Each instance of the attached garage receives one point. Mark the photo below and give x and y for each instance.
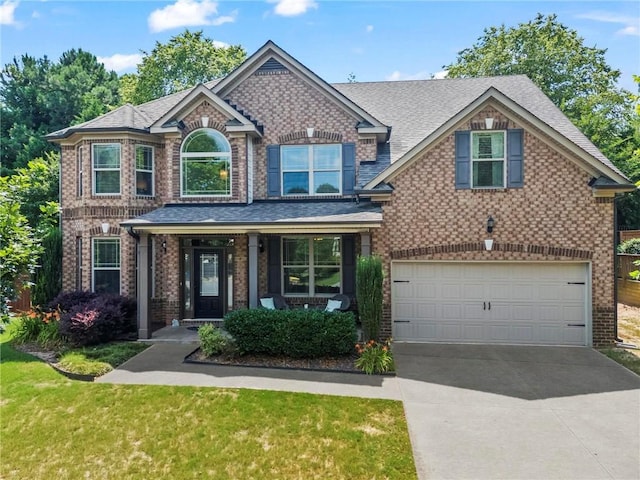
(493, 302)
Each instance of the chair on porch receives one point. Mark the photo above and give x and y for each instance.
(274, 301)
(338, 302)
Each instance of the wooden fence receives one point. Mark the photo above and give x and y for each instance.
(628, 290)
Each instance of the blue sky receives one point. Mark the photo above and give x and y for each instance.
(375, 40)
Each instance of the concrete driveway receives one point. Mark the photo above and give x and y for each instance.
(509, 412)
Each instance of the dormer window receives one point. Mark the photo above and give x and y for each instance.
(205, 168)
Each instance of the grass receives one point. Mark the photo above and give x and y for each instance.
(100, 359)
(52, 427)
(629, 331)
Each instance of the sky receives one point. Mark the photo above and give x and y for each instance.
(373, 40)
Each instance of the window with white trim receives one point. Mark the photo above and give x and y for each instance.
(106, 168)
(205, 168)
(311, 169)
(488, 159)
(79, 171)
(105, 266)
(144, 170)
(311, 266)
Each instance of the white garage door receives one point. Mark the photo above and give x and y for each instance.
(510, 303)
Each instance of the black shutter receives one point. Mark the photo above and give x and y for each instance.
(463, 157)
(273, 170)
(349, 265)
(348, 168)
(515, 168)
(274, 284)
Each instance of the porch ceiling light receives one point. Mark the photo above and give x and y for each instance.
(490, 224)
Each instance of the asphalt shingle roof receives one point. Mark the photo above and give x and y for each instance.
(414, 109)
(262, 212)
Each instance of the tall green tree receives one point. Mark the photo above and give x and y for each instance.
(575, 77)
(38, 96)
(184, 61)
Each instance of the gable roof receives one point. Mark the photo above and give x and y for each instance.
(418, 109)
(271, 56)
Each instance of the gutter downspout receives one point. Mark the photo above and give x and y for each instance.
(615, 269)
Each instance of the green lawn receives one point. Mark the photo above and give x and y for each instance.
(52, 427)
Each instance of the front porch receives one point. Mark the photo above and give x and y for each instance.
(195, 262)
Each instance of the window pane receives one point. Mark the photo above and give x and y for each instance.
(326, 182)
(144, 183)
(326, 157)
(296, 280)
(206, 141)
(488, 145)
(202, 176)
(295, 251)
(106, 253)
(107, 181)
(144, 158)
(488, 174)
(327, 280)
(106, 156)
(209, 281)
(106, 281)
(295, 183)
(295, 158)
(326, 251)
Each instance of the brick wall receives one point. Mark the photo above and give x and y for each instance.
(554, 217)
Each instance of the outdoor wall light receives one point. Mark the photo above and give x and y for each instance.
(105, 228)
(490, 224)
(261, 246)
(164, 246)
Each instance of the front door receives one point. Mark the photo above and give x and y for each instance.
(208, 285)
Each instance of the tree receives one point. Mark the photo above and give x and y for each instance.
(19, 246)
(47, 281)
(182, 62)
(575, 77)
(38, 96)
(369, 294)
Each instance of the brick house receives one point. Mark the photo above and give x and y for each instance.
(492, 212)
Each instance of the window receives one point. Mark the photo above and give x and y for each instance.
(144, 170)
(311, 266)
(106, 168)
(205, 164)
(79, 171)
(106, 265)
(488, 159)
(311, 169)
(79, 263)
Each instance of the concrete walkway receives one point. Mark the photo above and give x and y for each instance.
(161, 364)
(473, 411)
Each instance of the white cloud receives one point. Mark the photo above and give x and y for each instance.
(398, 75)
(369, 28)
(188, 13)
(441, 74)
(120, 62)
(291, 8)
(631, 25)
(7, 11)
(35, 14)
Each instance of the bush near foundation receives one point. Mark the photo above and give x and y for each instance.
(294, 333)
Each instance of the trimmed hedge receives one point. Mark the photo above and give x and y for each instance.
(295, 333)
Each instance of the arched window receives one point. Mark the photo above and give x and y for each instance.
(205, 164)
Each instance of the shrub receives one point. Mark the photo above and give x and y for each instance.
(369, 294)
(295, 333)
(631, 246)
(375, 357)
(212, 340)
(101, 319)
(65, 301)
(48, 277)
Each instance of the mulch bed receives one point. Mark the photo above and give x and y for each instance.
(331, 364)
(51, 358)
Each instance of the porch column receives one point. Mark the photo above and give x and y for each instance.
(365, 244)
(143, 278)
(253, 270)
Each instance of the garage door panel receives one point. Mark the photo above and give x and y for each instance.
(529, 303)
